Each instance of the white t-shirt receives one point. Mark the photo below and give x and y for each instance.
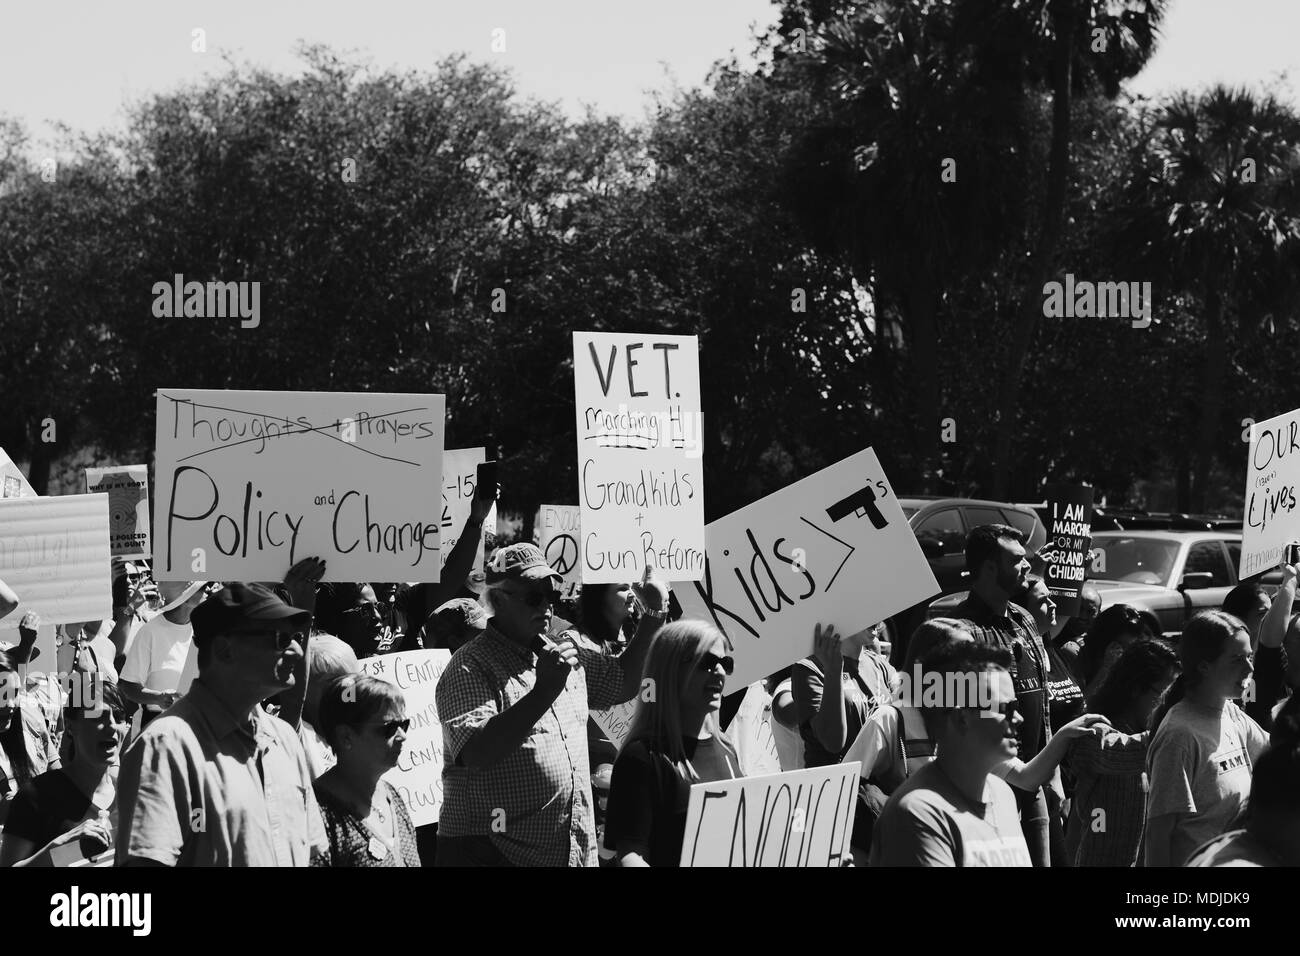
(159, 658)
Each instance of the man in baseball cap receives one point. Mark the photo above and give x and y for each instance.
(525, 763)
(216, 780)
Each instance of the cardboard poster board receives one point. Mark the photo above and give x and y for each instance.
(54, 554)
(803, 818)
(1272, 513)
(640, 456)
(558, 534)
(833, 548)
(251, 482)
(459, 483)
(1065, 555)
(127, 487)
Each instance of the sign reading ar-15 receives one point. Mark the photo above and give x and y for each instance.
(833, 548)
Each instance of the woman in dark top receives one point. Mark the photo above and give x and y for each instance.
(1117, 627)
(364, 720)
(832, 712)
(69, 814)
(675, 742)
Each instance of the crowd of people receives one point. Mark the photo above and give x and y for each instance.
(230, 724)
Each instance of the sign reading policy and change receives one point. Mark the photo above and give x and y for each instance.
(640, 456)
(831, 549)
(251, 482)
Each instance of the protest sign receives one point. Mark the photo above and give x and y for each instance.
(616, 721)
(640, 456)
(1272, 520)
(802, 818)
(1065, 555)
(459, 484)
(13, 483)
(54, 554)
(418, 774)
(558, 533)
(251, 482)
(751, 731)
(831, 549)
(127, 487)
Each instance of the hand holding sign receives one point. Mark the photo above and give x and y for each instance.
(651, 592)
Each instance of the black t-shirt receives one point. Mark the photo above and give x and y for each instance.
(1064, 696)
(648, 796)
(46, 806)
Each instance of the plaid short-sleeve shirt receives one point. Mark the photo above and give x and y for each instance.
(535, 805)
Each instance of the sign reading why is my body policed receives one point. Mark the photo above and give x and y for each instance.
(127, 487)
(251, 482)
(640, 459)
(1272, 519)
(1065, 555)
(418, 774)
(801, 818)
(831, 549)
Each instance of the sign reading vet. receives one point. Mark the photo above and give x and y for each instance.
(251, 482)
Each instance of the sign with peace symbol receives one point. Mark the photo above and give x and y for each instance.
(557, 536)
(562, 553)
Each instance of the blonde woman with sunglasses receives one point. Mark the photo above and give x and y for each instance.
(675, 742)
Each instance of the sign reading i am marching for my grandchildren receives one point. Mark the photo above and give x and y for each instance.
(1065, 555)
(251, 482)
(640, 456)
(127, 487)
(834, 549)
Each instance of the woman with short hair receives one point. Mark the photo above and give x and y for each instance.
(364, 719)
(675, 741)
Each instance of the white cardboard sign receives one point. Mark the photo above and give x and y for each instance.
(833, 548)
(1272, 499)
(459, 483)
(640, 455)
(559, 531)
(54, 554)
(251, 482)
(127, 487)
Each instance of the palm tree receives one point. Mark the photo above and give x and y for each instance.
(1215, 212)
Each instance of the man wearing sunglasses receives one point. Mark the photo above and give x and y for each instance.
(217, 781)
(513, 704)
(954, 811)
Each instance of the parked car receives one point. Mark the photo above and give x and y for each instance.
(941, 526)
(1167, 575)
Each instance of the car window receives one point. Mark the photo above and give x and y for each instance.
(1133, 558)
(978, 516)
(1206, 557)
(1024, 523)
(1234, 554)
(945, 528)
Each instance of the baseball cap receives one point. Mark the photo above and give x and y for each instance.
(453, 622)
(520, 562)
(243, 607)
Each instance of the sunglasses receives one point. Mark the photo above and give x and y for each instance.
(1007, 710)
(534, 598)
(282, 638)
(709, 662)
(391, 727)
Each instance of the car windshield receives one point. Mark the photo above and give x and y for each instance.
(1135, 559)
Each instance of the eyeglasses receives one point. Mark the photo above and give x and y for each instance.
(1007, 710)
(391, 727)
(709, 663)
(534, 598)
(282, 638)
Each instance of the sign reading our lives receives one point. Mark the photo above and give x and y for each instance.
(833, 548)
(1272, 519)
(251, 482)
(1065, 555)
(801, 818)
(54, 554)
(418, 774)
(640, 456)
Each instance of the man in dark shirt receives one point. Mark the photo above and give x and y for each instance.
(996, 563)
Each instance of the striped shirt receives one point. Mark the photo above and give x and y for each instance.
(535, 805)
(1014, 631)
(1109, 810)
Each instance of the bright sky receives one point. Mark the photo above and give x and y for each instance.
(78, 61)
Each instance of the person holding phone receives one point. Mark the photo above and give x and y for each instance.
(513, 704)
(675, 742)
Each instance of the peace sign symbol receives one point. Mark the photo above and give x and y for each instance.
(562, 553)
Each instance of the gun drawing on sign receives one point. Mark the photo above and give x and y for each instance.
(862, 503)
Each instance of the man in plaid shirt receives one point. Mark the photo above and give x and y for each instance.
(513, 705)
(996, 563)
